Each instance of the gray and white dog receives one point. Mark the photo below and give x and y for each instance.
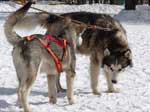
(107, 49)
(31, 57)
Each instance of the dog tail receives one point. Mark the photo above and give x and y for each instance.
(30, 22)
(11, 35)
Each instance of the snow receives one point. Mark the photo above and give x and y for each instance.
(97, 8)
(134, 83)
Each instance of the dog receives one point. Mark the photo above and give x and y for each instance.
(104, 47)
(30, 57)
(107, 49)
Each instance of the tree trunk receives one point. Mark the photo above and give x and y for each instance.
(130, 4)
(111, 1)
(149, 2)
(96, 1)
(78, 2)
(90, 1)
(83, 1)
(141, 2)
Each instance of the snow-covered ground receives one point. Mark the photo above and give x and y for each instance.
(134, 83)
(97, 8)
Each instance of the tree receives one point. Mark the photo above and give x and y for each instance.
(149, 2)
(130, 4)
(90, 1)
(81, 1)
(111, 1)
(95, 1)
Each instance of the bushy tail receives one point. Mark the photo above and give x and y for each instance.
(11, 35)
(30, 22)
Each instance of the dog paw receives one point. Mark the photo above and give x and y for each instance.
(61, 90)
(113, 90)
(52, 100)
(28, 110)
(72, 100)
(96, 92)
(18, 104)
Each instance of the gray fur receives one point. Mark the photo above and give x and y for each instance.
(31, 58)
(94, 43)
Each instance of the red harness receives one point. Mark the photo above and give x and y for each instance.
(62, 43)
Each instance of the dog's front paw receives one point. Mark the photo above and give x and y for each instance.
(72, 100)
(113, 90)
(52, 100)
(61, 90)
(96, 92)
(28, 110)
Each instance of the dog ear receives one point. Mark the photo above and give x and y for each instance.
(128, 54)
(106, 52)
(67, 21)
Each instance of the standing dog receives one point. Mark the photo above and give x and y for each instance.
(108, 49)
(31, 57)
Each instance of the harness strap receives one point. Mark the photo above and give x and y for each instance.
(59, 42)
(62, 43)
(56, 59)
(29, 38)
(65, 53)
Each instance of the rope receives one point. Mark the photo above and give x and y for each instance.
(72, 20)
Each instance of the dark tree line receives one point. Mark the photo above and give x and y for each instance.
(91, 1)
(129, 4)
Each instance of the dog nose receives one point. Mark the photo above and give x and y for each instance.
(114, 81)
(131, 65)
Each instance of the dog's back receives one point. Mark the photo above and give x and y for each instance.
(102, 20)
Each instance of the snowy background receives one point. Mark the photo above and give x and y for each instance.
(134, 83)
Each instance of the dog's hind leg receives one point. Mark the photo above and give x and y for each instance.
(25, 87)
(94, 73)
(52, 91)
(25, 84)
(22, 75)
(26, 74)
(70, 75)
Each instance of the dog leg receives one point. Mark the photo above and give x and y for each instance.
(26, 76)
(19, 97)
(52, 88)
(94, 73)
(58, 85)
(109, 82)
(22, 94)
(24, 91)
(70, 75)
(25, 82)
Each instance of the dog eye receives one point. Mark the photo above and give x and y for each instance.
(119, 69)
(111, 68)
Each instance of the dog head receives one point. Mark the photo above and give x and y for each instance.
(57, 26)
(65, 27)
(116, 62)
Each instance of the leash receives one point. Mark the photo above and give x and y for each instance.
(62, 43)
(72, 20)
